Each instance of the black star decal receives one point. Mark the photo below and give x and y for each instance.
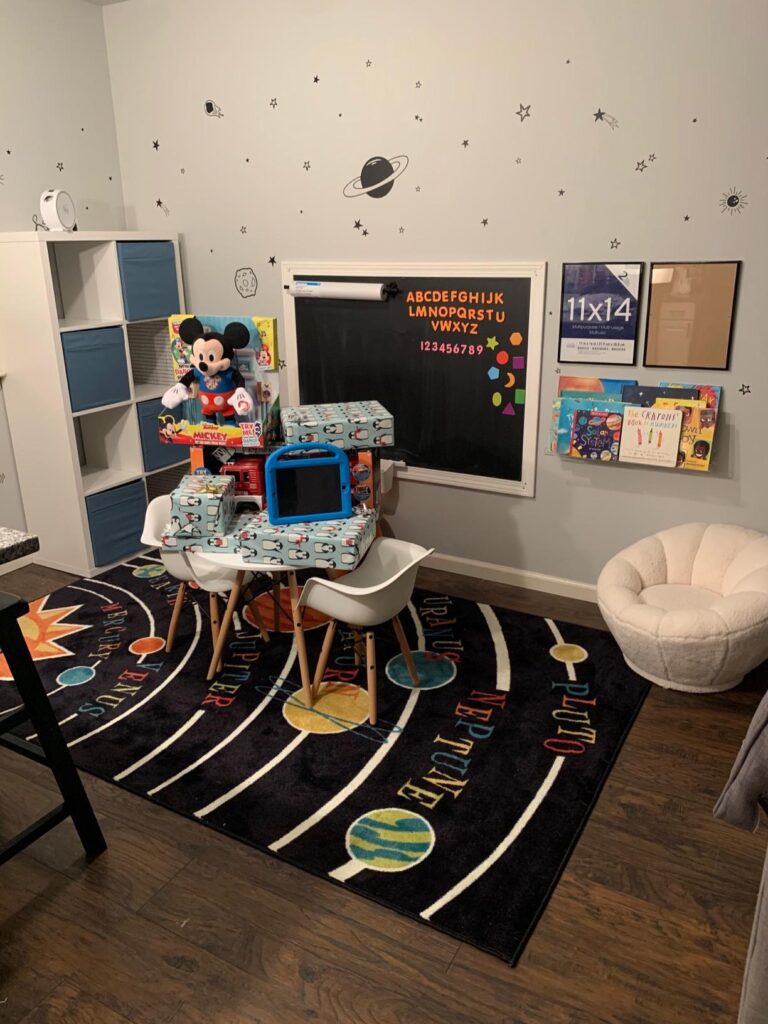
(8, 152)
(243, 230)
(316, 79)
(307, 165)
(247, 159)
(465, 143)
(163, 207)
(281, 364)
(358, 225)
(365, 231)
(271, 261)
(59, 166)
(110, 177)
(402, 230)
(418, 85)
(182, 171)
(599, 114)
(484, 222)
(695, 120)
(519, 160)
(158, 202)
(651, 157)
(745, 389)
(568, 61)
(273, 102)
(368, 63)
(418, 117)
(686, 217)
(523, 112)
(615, 243)
(641, 165)
(561, 191)
(156, 144)
(418, 188)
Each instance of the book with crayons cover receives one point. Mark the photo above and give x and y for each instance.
(596, 435)
(645, 394)
(697, 432)
(651, 436)
(568, 407)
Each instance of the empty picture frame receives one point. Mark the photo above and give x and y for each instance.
(690, 315)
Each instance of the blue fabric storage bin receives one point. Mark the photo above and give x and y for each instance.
(116, 521)
(156, 453)
(148, 276)
(97, 372)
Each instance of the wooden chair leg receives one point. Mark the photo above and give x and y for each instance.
(410, 664)
(358, 647)
(215, 616)
(175, 616)
(370, 658)
(259, 620)
(322, 661)
(226, 622)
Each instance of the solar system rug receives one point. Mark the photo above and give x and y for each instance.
(459, 808)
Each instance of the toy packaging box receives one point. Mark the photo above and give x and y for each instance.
(201, 507)
(258, 365)
(246, 469)
(348, 425)
(365, 478)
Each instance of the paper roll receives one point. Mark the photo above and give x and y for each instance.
(338, 290)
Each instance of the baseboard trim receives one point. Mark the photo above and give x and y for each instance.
(17, 563)
(513, 577)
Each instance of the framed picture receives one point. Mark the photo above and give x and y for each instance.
(690, 315)
(598, 313)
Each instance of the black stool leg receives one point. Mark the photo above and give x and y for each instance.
(57, 757)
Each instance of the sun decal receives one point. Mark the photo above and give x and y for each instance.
(42, 628)
(733, 201)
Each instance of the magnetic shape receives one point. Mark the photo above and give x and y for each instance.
(434, 670)
(502, 358)
(496, 398)
(493, 373)
(508, 410)
(491, 343)
(519, 396)
(390, 839)
(516, 338)
(518, 362)
(510, 380)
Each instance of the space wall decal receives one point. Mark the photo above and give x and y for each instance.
(376, 177)
(733, 201)
(246, 282)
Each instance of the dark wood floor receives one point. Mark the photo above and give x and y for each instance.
(178, 925)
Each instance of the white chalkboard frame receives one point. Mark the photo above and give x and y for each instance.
(386, 271)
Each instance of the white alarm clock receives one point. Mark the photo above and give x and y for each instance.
(58, 210)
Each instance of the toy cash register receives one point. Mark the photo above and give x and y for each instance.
(307, 483)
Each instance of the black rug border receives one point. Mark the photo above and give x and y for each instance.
(511, 961)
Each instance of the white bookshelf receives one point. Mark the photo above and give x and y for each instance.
(52, 283)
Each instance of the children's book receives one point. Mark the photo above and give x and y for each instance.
(568, 407)
(596, 435)
(598, 385)
(647, 395)
(650, 436)
(697, 433)
(711, 393)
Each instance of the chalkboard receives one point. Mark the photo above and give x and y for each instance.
(454, 355)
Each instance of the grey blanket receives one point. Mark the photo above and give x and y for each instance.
(740, 803)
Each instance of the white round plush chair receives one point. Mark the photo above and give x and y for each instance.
(689, 606)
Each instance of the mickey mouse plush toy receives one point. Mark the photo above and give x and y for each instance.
(221, 388)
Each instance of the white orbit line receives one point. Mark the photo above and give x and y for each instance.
(152, 693)
(317, 816)
(517, 828)
(236, 790)
(235, 732)
(133, 597)
(160, 747)
(503, 846)
(503, 669)
(62, 721)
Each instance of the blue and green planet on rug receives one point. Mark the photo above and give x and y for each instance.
(459, 808)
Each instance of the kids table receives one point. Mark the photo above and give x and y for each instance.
(255, 539)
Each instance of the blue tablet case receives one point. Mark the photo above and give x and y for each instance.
(284, 471)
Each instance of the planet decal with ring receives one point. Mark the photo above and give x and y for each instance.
(376, 177)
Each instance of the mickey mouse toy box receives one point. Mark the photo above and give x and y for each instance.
(227, 388)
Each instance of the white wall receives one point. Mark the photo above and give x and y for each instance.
(56, 108)
(686, 80)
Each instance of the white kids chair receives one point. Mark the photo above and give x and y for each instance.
(375, 592)
(188, 568)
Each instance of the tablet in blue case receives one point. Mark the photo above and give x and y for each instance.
(307, 483)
